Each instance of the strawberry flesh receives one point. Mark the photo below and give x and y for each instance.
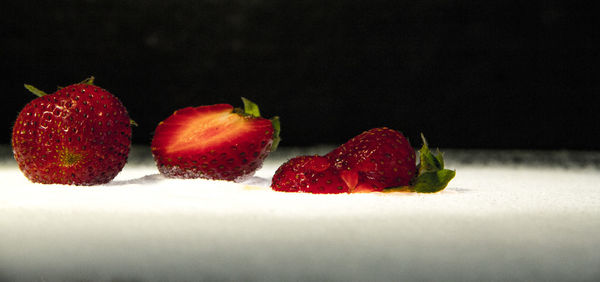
(212, 142)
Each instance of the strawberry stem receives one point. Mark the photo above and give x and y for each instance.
(35, 91)
(276, 131)
(250, 108)
(431, 175)
(88, 81)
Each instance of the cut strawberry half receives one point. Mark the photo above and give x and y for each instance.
(214, 142)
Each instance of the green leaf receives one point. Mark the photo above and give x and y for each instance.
(429, 161)
(250, 108)
(35, 91)
(276, 131)
(89, 80)
(440, 158)
(432, 176)
(433, 181)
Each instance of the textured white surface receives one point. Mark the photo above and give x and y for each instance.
(494, 222)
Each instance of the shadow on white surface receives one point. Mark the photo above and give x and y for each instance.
(456, 190)
(147, 179)
(258, 181)
(157, 177)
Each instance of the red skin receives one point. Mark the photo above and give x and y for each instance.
(211, 142)
(79, 135)
(375, 159)
(372, 161)
(290, 177)
(310, 174)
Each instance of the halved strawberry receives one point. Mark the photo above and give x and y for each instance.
(214, 142)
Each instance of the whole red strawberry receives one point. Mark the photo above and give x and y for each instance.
(375, 159)
(311, 174)
(214, 142)
(79, 135)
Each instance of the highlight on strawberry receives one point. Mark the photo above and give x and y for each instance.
(78, 135)
(377, 160)
(216, 142)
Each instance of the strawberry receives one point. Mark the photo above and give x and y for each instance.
(380, 159)
(290, 177)
(375, 159)
(312, 174)
(214, 142)
(79, 135)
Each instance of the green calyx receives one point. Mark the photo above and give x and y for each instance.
(276, 131)
(251, 109)
(88, 81)
(40, 93)
(35, 91)
(431, 175)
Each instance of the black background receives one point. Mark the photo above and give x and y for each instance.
(468, 74)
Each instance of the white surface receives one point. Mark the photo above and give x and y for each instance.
(495, 222)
